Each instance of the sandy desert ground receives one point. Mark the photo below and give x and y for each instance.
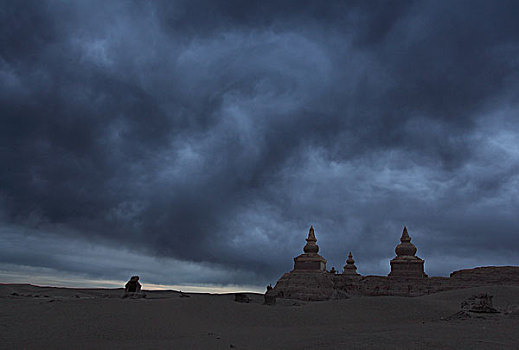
(59, 318)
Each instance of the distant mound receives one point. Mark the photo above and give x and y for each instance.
(497, 274)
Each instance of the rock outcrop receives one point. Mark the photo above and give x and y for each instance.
(325, 286)
(304, 285)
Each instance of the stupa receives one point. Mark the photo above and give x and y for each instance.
(350, 268)
(406, 263)
(309, 279)
(310, 260)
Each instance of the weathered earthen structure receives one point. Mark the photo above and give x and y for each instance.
(350, 268)
(310, 260)
(406, 263)
(480, 303)
(132, 289)
(309, 279)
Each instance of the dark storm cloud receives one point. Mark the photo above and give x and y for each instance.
(215, 133)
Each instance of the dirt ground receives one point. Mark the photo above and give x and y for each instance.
(60, 318)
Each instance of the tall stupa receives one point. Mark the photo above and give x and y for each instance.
(310, 260)
(406, 263)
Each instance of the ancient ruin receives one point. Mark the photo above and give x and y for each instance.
(480, 303)
(309, 280)
(406, 263)
(476, 304)
(350, 268)
(132, 289)
(310, 260)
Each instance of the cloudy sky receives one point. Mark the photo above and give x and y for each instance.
(195, 142)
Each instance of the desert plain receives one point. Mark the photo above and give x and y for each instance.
(33, 317)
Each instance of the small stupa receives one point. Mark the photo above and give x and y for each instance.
(350, 268)
(310, 260)
(406, 263)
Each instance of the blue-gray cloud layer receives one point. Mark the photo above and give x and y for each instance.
(217, 132)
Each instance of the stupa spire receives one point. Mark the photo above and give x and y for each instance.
(405, 236)
(310, 246)
(311, 235)
(405, 248)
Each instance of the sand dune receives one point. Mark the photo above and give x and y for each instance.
(61, 318)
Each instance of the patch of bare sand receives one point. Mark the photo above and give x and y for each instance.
(62, 318)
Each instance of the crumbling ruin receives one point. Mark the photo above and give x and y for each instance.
(309, 280)
(132, 289)
(406, 263)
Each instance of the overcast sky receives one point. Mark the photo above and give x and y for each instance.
(195, 142)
